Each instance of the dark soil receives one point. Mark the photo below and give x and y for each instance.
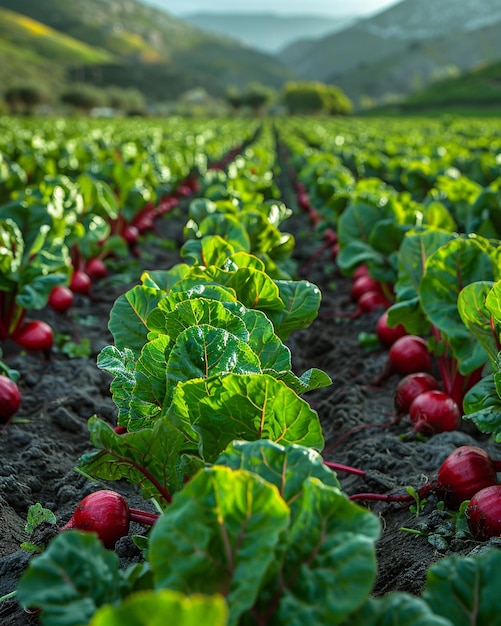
(39, 450)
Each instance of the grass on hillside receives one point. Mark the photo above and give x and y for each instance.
(20, 34)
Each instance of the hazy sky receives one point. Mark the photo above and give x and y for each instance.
(287, 7)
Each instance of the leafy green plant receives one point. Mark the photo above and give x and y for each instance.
(434, 267)
(32, 263)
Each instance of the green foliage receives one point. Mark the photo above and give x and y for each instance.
(69, 592)
(464, 589)
(151, 608)
(84, 97)
(315, 97)
(24, 97)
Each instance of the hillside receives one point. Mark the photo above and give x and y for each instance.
(403, 49)
(32, 51)
(268, 32)
(479, 87)
(131, 44)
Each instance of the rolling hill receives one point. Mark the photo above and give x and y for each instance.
(124, 43)
(476, 89)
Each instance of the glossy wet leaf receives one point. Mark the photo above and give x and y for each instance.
(414, 250)
(220, 409)
(482, 405)
(203, 351)
(129, 315)
(301, 303)
(209, 250)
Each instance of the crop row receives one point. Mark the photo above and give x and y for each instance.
(252, 525)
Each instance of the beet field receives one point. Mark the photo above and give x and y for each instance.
(249, 372)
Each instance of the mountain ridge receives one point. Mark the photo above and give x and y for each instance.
(269, 32)
(401, 49)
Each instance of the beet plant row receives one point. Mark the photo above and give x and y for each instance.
(252, 525)
(67, 214)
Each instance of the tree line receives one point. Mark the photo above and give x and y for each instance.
(295, 98)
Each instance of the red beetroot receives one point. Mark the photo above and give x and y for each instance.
(434, 412)
(387, 335)
(465, 472)
(362, 284)
(303, 200)
(10, 399)
(407, 355)
(369, 301)
(410, 387)
(483, 513)
(80, 282)
(372, 300)
(361, 270)
(96, 268)
(107, 513)
(35, 335)
(60, 298)
(130, 233)
(410, 354)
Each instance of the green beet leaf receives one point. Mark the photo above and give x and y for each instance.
(329, 566)
(476, 315)
(151, 458)
(243, 259)
(150, 386)
(396, 609)
(482, 405)
(163, 280)
(73, 578)
(12, 243)
(253, 288)
(263, 235)
(203, 351)
(129, 314)
(209, 250)
(228, 227)
(32, 264)
(313, 378)
(164, 608)
(197, 311)
(215, 411)
(465, 590)
(463, 260)
(195, 305)
(272, 353)
(199, 351)
(121, 365)
(286, 467)
(301, 303)
(219, 536)
(415, 249)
